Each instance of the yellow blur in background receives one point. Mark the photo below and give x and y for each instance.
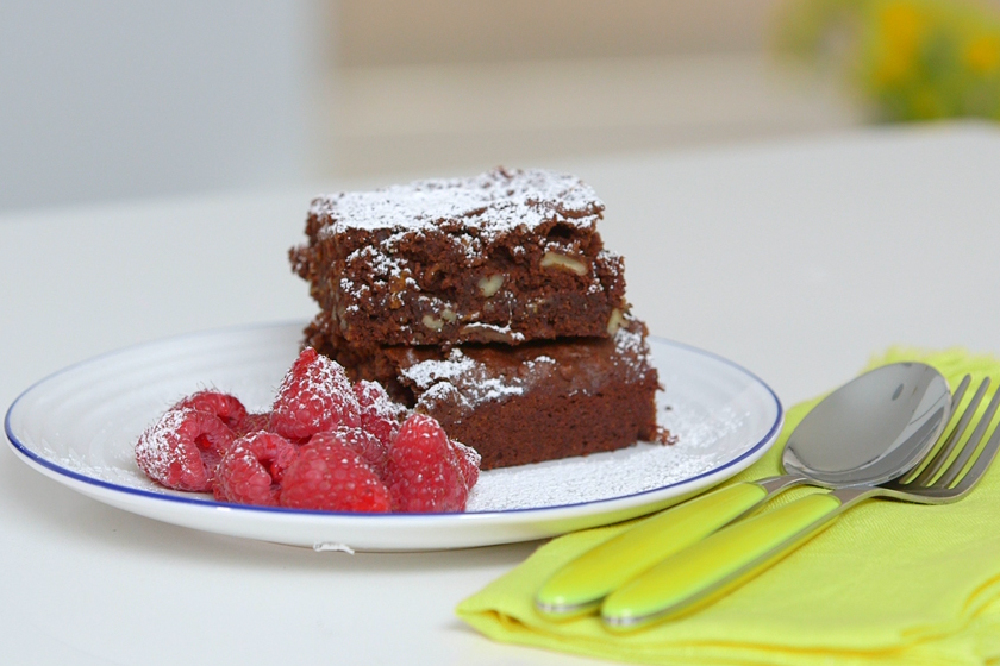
(904, 60)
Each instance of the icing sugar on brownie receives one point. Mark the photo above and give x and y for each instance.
(477, 376)
(492, 203)
(494, 396)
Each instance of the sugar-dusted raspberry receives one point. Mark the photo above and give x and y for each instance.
(225, 406)
(369, 447)
(379, 414)
(315, 396)
(468, 461)
(250, 471)
(329, 475)
(424, 474)
(182, 448)
(253, 422)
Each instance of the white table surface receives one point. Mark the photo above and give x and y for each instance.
(797, 260)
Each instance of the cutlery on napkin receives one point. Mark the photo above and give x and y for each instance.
(887, 584)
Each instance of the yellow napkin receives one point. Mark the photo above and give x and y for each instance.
(888, 583)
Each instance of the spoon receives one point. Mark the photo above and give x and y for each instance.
(869, 431)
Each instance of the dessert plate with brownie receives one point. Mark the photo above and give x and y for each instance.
(487, 312)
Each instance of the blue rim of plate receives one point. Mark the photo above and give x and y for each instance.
(28, 454)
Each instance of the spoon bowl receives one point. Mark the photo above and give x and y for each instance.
(872, 429)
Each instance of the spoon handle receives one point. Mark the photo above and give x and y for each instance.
(701, 573)
(581, 584)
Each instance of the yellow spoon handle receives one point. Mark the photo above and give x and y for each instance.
(581, 584)
(701, 573)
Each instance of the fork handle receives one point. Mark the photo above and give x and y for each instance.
(580, 585)
(708, 569)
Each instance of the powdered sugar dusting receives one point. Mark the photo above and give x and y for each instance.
(375, 400)
(379, 414)
(157, 448)
(470, 455)
(468, 382)
(491, 203)
(502, 332)
(631, 342)
(315, 395)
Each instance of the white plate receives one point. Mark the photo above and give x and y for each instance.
(79, 427)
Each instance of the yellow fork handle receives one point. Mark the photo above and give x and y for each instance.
(580, 585)
(700, 574)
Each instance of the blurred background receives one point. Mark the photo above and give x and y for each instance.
(108, 100)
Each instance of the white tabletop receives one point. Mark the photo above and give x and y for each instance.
(797, 260)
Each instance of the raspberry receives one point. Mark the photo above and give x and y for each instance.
(226, 407)
(253, 422)
(368, 446)
(315, 396)
(424, 474)
(331, 476)
(252, 468)
(468, 462)
(379, 415)
(182, 449)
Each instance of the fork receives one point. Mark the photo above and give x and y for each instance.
(701, 573)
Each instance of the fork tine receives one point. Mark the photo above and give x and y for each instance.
(956, 397)
(931, 469)
(962, 459)
(982, 463)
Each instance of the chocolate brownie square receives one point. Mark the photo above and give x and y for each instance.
(507, 256)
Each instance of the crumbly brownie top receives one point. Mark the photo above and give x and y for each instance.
(492, 204)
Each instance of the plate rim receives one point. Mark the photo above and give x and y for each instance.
(55, 471)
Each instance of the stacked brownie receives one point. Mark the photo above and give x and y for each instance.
(489, 303)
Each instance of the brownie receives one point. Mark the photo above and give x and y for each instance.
(507, 256)
(533, 402)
